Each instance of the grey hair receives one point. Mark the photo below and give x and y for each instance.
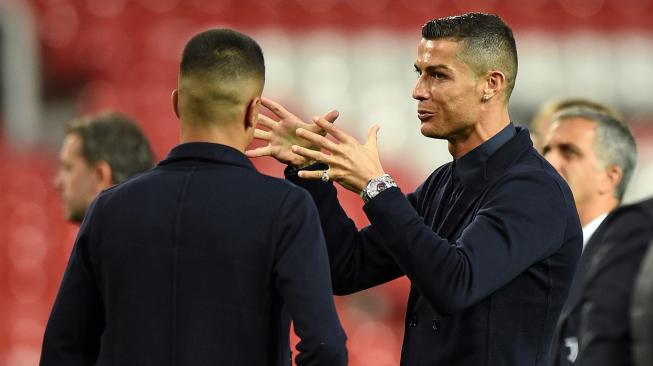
(614, 143)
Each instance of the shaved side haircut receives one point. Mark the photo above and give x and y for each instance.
(488, 43)
(221, 69)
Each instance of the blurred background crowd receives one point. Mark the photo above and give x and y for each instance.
(64, 58)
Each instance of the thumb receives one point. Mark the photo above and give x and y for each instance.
(372, 136)
(331, 116)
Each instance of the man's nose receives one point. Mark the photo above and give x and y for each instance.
(420, 92)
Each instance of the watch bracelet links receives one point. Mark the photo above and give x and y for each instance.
(388, 183)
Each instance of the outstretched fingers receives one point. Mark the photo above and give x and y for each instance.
(317, 139)
(262, 135)
(261, 151)
(334, 131)
(275, 107)
(372, 136)
(313, 174)
(266, 121)
(331, 116)
(312, 154)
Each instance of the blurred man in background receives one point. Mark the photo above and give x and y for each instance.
(202, 260)
(543, 118)
(596, 155)
(489, 242)
(641, 310)
(97, 153)
(606, 335)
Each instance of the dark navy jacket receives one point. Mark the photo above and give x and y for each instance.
(605, 333)
(490, 259)
(594, 328)
(200, 261)
(564, 346)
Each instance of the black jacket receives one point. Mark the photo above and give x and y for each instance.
(490, 262)
(565, 343)
(200, 261)
(604, 329)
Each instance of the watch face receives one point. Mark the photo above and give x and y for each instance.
(381, 186)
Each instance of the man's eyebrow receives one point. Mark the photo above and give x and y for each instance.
(569, 146)
(430, 68)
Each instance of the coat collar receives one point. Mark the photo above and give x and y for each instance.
(478, 177)
(206, 152)
(468, 164)
(489, 162)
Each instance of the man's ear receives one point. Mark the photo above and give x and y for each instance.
(611, 180)
(104, 175)
(175, 101)
(495, 81)
(251, 113)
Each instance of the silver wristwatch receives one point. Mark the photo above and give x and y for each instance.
(376, 186)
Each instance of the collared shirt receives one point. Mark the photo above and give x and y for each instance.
(591, 227)
(466, 167)
(468, 164)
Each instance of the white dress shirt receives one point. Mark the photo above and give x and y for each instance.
(591, 227)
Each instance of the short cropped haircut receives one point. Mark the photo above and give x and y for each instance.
(488, 43)
(614, 143)
(116, 139)
(225, 54)
(586, 103)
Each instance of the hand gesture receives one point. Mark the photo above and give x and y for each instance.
(351, 163)
(282, 134)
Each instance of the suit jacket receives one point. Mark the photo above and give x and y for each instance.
(490, 269)
(200, 261)
(605, 332)
(641, 312)
(564, 346)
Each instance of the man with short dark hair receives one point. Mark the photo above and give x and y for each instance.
(489, 242)
(97, 153)
(202, 260)
(596, 154)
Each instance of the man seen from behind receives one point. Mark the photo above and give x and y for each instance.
(202, 260)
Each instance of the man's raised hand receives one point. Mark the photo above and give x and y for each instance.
(282, 134)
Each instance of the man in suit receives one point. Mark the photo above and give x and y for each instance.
(489, 242)
(641, 310)
(202, 260)
(596, 155)
(98, 152)
(606, 336)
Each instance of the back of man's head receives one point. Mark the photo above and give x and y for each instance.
(614, 143)
(116, 139)
(221, 71)
(488, 43)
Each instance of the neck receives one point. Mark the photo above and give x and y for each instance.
(217, 135)
(492, 120)
(596, 208)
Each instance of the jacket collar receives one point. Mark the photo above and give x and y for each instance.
(489, 161)
(206, 152)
